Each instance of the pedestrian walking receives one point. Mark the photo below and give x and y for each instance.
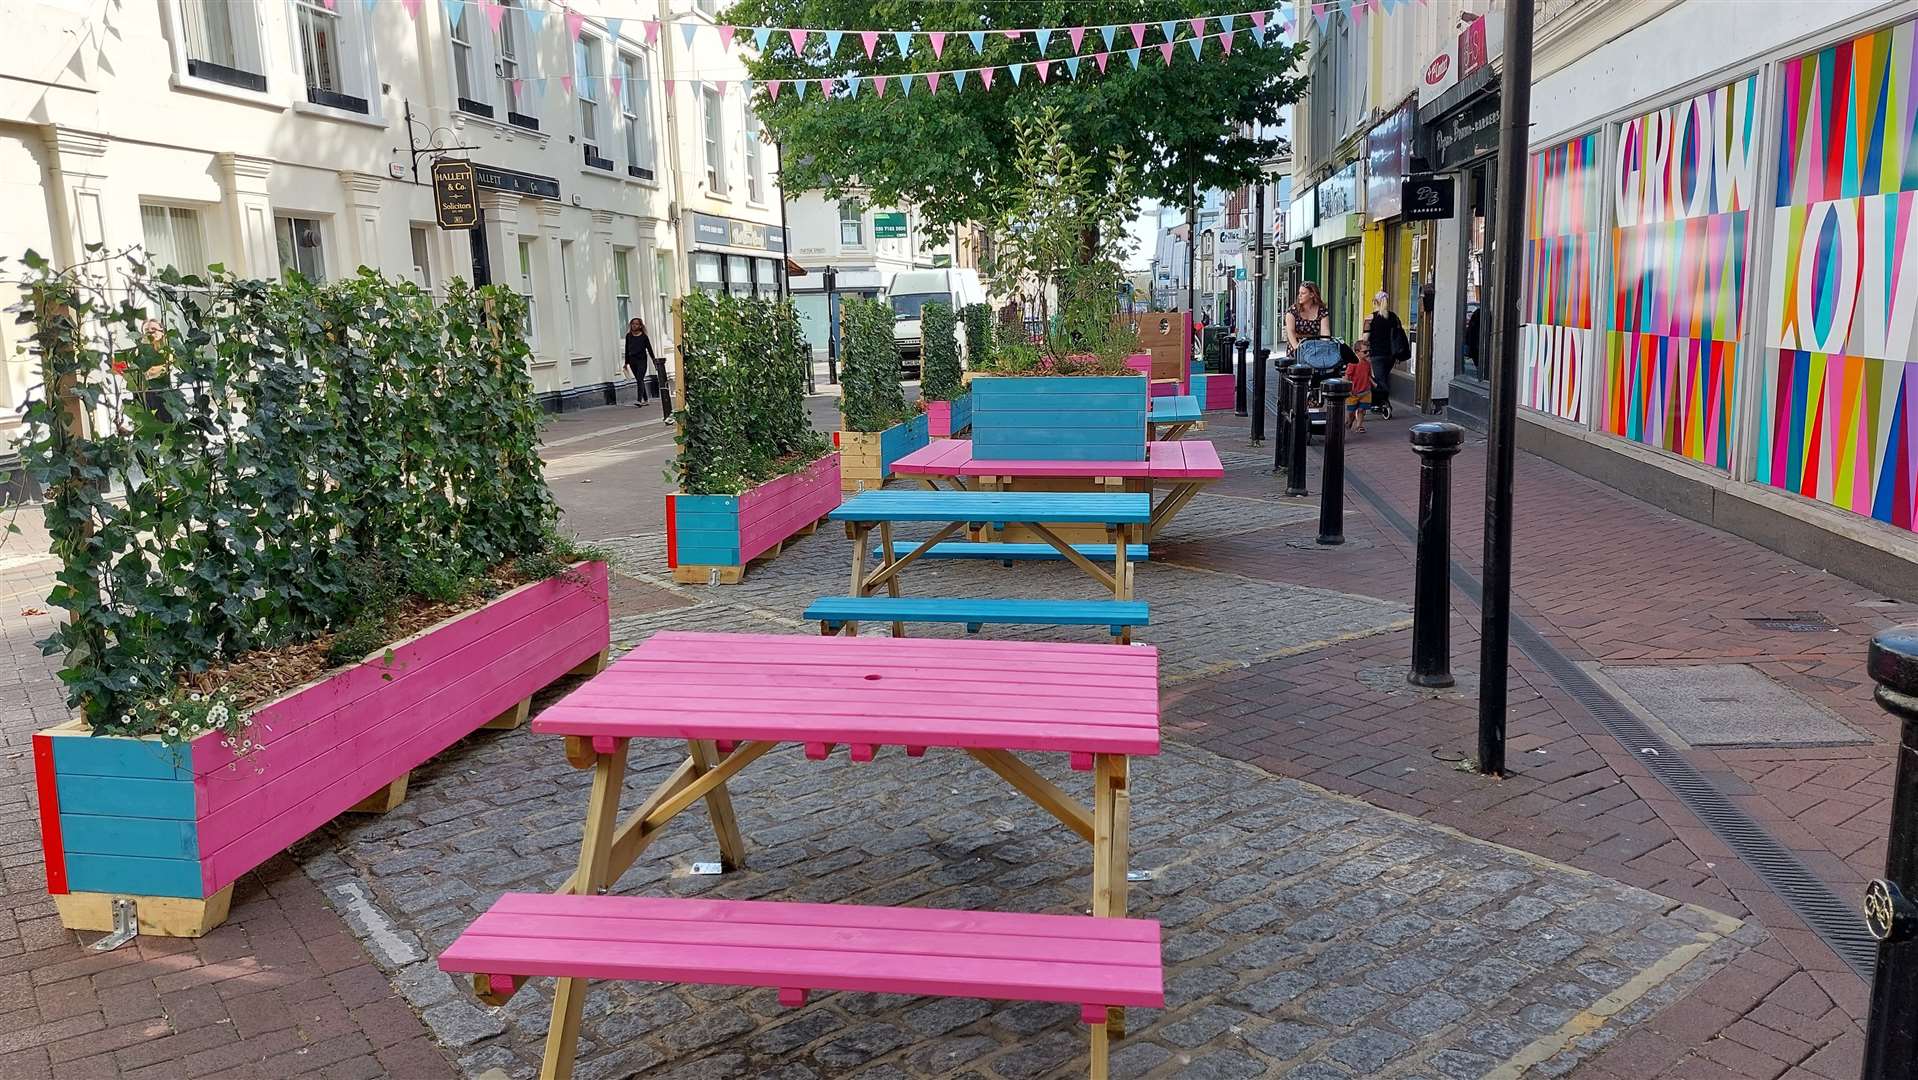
(1309, 318)
(1359, 373)
(1385, 334)
(639, 354)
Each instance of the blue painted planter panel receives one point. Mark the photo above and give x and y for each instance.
(706, 529)
(901, 439)
(1062, 418)
(961, 413)
(127, 816)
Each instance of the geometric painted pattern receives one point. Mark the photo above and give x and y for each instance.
(1561, 251)
(1840, 398)
(1683, 185)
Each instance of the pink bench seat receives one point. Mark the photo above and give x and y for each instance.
(1166, 462)
(1091, 962)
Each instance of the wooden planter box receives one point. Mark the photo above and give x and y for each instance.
(868, 455)
(172, 827)
(1059, 418)
(944, 419)
(711, 538)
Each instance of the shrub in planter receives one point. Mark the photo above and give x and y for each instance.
(978, 321)
(948, 405)
(877, 425)
(306, 474)
(751, 470)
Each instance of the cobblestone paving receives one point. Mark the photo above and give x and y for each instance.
(1306, 935)
(1202, 621)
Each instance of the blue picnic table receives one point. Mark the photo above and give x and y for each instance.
(1172, 417)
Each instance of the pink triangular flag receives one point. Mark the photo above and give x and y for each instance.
(1138, 35)
(726, 36)
(826, 87)
(1198, 27)
(615, 82)
(799, 39)
(1165, 50)
(985, 76)
(1041, 67)
(1258, 20)
(1225, 41)
(566, 83)
(932, 81)
(1358, 14)
(1077, 34)
(519, 89)
(1099, 58)
(879, 83)
(652, 31)
(871, 38)
(495, 13)
(938, 39)
(772, 89)
(412, 8)
(720, 85)
(574, 20)
(334, 4)
(1012, 35)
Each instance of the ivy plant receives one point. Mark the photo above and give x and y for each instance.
(978, 322)
(870, 397)
(744, 418)
(939, 360)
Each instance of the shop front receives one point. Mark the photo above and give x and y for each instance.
(1336, 236)
(1458, 136)
(1393, 239)
(727, 255)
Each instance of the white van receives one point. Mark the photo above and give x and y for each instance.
(911, 290)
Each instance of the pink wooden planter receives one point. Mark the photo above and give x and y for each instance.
(125, 816)
(725, 532)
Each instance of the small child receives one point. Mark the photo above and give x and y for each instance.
(1360, 375)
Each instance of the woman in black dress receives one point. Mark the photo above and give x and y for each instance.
(639, 352)
(1308, 319)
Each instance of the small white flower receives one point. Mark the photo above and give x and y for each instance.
(173, 731)
(133, 680)
(195, 696)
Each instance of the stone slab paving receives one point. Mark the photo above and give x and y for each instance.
(1202, 621)
(1307, 935)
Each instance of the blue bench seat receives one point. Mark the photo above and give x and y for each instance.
(1183, 409)
(1006, 553)
(1119, 616)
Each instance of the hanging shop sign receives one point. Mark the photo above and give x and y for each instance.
(1426, 197)
(1339, 193)
(519, 183)
(1301, 216)
(889, 225)
(711, 231)
(455, 194)
(1388, 157)
(1469, 133)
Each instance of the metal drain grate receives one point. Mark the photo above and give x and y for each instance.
(1836, 922)
(1798, 622)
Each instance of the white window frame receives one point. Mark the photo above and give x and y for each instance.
(755, 155)
(420, 237)
(479, 60)
(708, 8)
(174, 215)
(636, 111)
(528, 259)
(587, 85)
(623, 285)
(712, 129)
(293, 221)
(250, 45)
(857, 221)
(358, 76)
(573, 312)
(514, 38)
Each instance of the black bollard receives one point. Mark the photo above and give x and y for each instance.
(1432, 591)
(1891, 1029)
(1332, 478)
(1238, 385)
(1282, 416)
(1300, 432)
(1258, 396)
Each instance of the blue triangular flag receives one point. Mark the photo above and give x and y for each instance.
(1072, 66)
(535, 18)
(1170, 28)
(1042, 37)
(832, 42)
(959, 79)
(1132, 55)
(905, 85)
(368, 5)
(612, 29)
(903, 39)
(452, 10)
(1198, 46)
(799, 87)
(1013, 70)
(1111, 34)
(1226, 21)
(687, 30)
(761, 34)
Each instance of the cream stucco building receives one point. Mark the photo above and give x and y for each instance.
(267, 135)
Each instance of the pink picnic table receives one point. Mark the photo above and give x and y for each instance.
(1180, 469)
(733, 697)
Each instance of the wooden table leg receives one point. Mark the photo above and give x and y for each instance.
(595, 854)
(861, 545)
(1111, 816)
(719, 806)
(892, 580)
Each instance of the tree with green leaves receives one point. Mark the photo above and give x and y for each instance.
(1183, 124)
(939, 381)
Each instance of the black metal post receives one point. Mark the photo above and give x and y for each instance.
(482, 262)
(1282, 410)
(1238, 383)
(1332, 477)
(1258, 308)
(1891, 1031)
(831, 282)
(1514, 139)
(1436, 445)
(1300, 431)
(1192, 256)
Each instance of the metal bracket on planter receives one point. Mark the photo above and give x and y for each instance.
(707, 869)
(1141, 875)
(126, 927)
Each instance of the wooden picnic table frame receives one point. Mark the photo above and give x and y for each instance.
(949, 463)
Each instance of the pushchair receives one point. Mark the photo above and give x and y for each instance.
(1324, 358)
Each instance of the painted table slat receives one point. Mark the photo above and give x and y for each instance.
(995, 507)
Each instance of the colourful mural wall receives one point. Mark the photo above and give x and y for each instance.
(1840, 399)
(1683, 181)
(1561, 252)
